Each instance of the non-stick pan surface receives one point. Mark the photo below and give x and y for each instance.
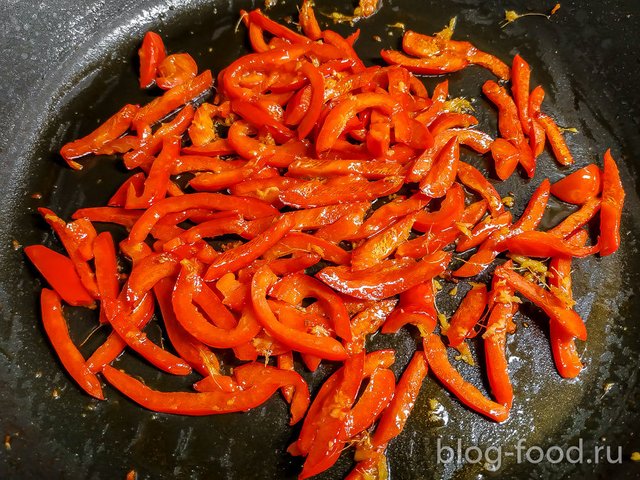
(68, 64)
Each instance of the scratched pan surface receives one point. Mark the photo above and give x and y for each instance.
(67, 66)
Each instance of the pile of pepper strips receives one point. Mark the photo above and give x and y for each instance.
(313, 139)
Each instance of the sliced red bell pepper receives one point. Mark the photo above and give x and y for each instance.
(577, 219)
(612, 203)
(451, 209)
(483, 230)
(308, 21)
(560, 149)
(443, 172)
(467, 316)
(578, 187)
(56, 328)
(383, 244)
(544, 244)
(175, 70)
(151, 54)
(417, 306)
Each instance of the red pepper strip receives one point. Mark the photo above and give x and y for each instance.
(214, 383)
(308, 22)
(187, 288)
(302, 286)
(347, 188)
(118, 314)
(106, 264)
(506, 157)
(554, 307)
(323, 168)
(59, 271)
(374, 399)
(247, 207)
(194, 352)
(467, 315)
(436, 354)
(120, 197)
(577, 219)
(378, 138)
(368, 321)
(173, 99)
(113, 346)
(146, 273)
(611, 210)
(119, 145)
(556, 140)
(537, 136)
(256, 34)
(323, 347)
(448, 120)
(391, 211)
(416, 307)
(578, 187)
(56, 327)
(152, 144)
(383, 244)
(213, 182)
(520, 75)
(345, 47)
(373, 361)
(326, 447)
(495, 244)
(340, 114)
(241, 256)
(215, 148)
(151, 53)
(254, 374)
(544, 244)
(114, 127)
(508, 121)
(73, 243)
(563, 346)
(437, 65)
(433, 241)
(390, 278)
(483, 230)
(346, 227)
(186, 403)
(491, 63)
(298, 106)
(274, 28)
(175, 70)
(395, 416)
(212, 228)
(202, 130)
(495, 339)
(443, 172)
(294, 316)
(478, 141)
(157, 182)
(450, 211)
(266, 189)
(316, 80)
(303, 242)
(254, 114)
(285, 362)
(473, 179)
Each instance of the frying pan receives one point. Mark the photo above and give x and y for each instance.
(68, 64)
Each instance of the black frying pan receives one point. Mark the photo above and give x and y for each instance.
(65, 65)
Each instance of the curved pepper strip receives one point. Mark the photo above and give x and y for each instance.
(437, 65)
(113, 346)
(187, 288)
(338, 117)
(372, 169)
(59, 272)
(347, 188)
(254, 374)
(560, 149)
(537, 135)
(187, 403)
(119, 216)
(303, 242)
(308, 21)
(374, 399)
(120, 197)
(241, 256)
(611, 210)
(467, 316)
(383, 244)
(563, 346)
(577, 219)
(471, 177)
(390, 278)
(483, 230)
(322, 347)
(549, 302)
(347, 227)
(506, 157)
(416, 307)
(146, 273)
(55, 326)
(520, 76)
(392, 211)
(175, 70)
(495, 338)
(451, 210)
(495, 244)
(436, 354)
(368, 321)
(544, 244)
(151, 53)
(296, 287)
(113, 128)
(443, 173)
(196, 354)
(106, 265)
